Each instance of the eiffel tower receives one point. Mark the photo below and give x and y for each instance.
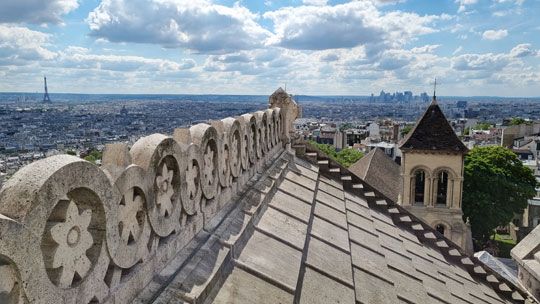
(46, 98)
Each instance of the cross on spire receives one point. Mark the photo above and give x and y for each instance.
(434, 101)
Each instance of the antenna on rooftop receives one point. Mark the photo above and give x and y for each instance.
(285, 87)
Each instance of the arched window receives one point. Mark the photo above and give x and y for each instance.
(442, 188)
(440, 228)
(419, 185)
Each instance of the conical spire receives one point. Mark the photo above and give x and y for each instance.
(432, 132)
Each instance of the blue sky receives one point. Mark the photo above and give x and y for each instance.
(473, 47)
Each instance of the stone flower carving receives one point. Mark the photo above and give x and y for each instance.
(73, 241)
(192, 179)
(130, 228)
(165, 190)
(208, 170)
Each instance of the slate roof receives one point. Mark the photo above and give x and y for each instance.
(433, 132)
(377, 168)
(313, 233)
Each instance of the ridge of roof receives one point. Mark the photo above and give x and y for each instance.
(406, 220)
(433, 132)
(376, 166)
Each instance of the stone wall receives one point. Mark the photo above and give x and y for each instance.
(73, 232)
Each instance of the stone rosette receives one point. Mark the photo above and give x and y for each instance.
(72, 232)
(161, 157)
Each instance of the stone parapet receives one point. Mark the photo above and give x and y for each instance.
(73, 232)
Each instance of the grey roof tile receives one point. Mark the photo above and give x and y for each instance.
(272, 258)
(356, 199)
(301, 179)
(296, 190)
(291, 205)
(369, 260)
(333, 291)
(284, 227)
(331, 215)
(385, 218)
(330, 233)
(360, 221)
(329, 181)
(331, 201)
(330, 260)
(303, 169)
(241, 287)
(337, 192)
(364, 237)
(357, 208)
(371, 288)
(409, 287)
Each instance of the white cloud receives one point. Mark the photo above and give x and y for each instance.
(35, 11)
(494, 34)
(472, 62)
(523, 50)
(458, 50)
(517, 2)
(20, 45)
(464, 3)
(197, 25)
(345, 26)
(315, 2)
(76, 58)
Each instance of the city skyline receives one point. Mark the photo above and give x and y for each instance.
(315, 47)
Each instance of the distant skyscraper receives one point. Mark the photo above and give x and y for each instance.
(46, 97)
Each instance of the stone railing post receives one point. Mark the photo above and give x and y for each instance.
(289, 112)
(73, 232)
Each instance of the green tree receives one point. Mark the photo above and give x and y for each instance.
(467, 131)
(482, 126)
(347, 157)
(93, 156)
(71, 152)
(406, 130)
(517, 121)
(496, 186)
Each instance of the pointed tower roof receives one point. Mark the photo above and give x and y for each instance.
(433, 132)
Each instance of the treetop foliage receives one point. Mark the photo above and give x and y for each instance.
(496, 186)
(346, 157)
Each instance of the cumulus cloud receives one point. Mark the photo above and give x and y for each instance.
(20, 45)
(198, 25)
(345, 26)
(494, 34)
(35, 11)
(472, 62)
(523, 50)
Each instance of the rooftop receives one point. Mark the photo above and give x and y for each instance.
(433, 132)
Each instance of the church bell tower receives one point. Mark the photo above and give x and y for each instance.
(432, 175)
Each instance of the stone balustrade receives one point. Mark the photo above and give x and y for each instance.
(73, 232)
